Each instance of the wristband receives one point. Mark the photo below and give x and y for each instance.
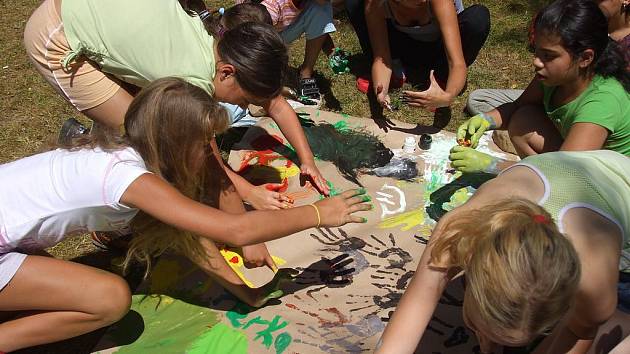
(319, 220)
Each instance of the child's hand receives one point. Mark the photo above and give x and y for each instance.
(474, 128)
(309, 169)
(339, 210)
(470, 160)
(258, 256)
(382, 96)
(267, 197)
(432, 98)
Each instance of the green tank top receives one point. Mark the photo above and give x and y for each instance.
(598, 180)
(140, 41)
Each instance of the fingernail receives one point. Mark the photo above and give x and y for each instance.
(371, 206)
(364, 220)
(366, 198)
(362, 190)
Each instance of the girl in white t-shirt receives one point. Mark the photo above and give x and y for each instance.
(162, 169)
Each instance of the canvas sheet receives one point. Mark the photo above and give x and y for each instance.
(350, 278)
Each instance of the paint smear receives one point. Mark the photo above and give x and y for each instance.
(458, 198)
(170, 325)
(166, 275)
(220, 339)
(235, 261)
(405, 221)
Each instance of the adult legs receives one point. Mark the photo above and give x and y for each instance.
(485, 100)
(58, 300)
(532, 132)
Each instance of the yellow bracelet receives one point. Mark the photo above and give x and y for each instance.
(319, 220)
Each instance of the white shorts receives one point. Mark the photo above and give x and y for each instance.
(9, 265)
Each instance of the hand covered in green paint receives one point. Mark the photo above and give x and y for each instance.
(258, 256)
(309, 169)
(339, 210)
(474, 128)
(469, 160)
(267, 197)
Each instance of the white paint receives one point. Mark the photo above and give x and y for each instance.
(385, 200)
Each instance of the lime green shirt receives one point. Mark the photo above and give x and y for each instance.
(604, 102)
(139, 41)
(598, 180)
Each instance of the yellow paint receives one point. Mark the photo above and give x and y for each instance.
(236, 267)
(407, 220)
(287, 172)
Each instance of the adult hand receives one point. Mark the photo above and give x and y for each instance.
(432, 98)
(382, 96)
(469, 160)
(258, 256)
(309, 169)
(267, 197)
(339, 210)
(474, 128)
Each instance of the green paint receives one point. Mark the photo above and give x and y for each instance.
(170, 325)
(364, 220)
(366, 198)
(282, 342)
(333, 191)
(341, 126)
(458, 198)
(274, 126)
(265, 329)
(220, 339)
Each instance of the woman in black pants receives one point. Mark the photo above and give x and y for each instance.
(434, 39)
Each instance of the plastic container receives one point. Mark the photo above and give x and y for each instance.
(425, 141)
(410, 145)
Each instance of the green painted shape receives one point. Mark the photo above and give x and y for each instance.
(341, 126)
(333, 191)
(220, 339)
(170, 325)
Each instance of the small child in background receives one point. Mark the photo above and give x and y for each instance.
(314, 18)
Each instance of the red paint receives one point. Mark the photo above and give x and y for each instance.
(340, 318)
(234, 260)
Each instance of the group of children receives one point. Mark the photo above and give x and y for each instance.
(157, 78)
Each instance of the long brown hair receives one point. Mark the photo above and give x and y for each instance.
(521, 272)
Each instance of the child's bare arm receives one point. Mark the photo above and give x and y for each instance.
(597, 242)
(584, 137)
(288, 122)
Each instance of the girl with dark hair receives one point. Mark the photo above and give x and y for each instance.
(433, 40)
(578, 99)
(91, 51)
(161, 177)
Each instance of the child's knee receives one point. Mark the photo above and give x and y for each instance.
(115, 302)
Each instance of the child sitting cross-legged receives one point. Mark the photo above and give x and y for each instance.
(161, 174)
(578, 100)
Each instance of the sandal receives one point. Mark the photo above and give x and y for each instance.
(307, 87)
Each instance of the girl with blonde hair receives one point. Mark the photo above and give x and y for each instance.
(163, 168)
(540, 247)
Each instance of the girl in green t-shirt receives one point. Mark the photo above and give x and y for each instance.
(578, 99)
(96, 56)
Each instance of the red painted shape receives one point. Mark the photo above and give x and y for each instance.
(234, 260)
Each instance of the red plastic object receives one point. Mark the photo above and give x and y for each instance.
(363, 84)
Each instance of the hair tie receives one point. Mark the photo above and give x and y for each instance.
(203, 15)
(540, 219)
(221, 11)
